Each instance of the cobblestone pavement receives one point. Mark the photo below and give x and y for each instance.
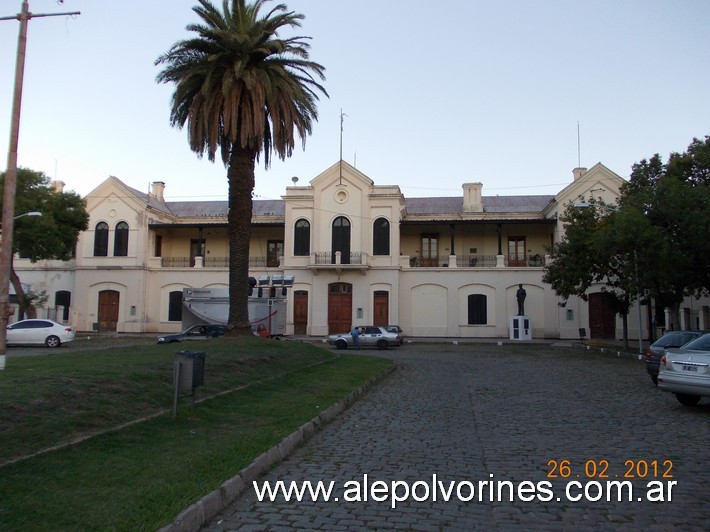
(481, 412)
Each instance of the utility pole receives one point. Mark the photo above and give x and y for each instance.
(8, 198)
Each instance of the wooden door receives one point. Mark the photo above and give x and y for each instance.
(108, 310)
(300, 312)
(430, 250)
(516, 251)
(602, 318)
(381, 307)
(340, 308)
(274, 252)
(197, 249)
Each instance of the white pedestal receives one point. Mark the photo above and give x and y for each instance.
(520, 328)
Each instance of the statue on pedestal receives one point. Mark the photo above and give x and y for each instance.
(520, 296)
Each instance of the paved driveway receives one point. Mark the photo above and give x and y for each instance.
(477, 414)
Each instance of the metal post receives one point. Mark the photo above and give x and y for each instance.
(638, 301)
(8, 198)
(177, 375)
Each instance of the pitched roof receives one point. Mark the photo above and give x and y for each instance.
(214, 209)
(496, 204)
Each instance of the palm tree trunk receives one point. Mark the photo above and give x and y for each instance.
(241, 187)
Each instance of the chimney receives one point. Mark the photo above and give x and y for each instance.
(158, 187)
(472, 201)
(57, 186)
(578, 172)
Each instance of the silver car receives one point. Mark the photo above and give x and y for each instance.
(658, 348)
(685, 371)
(378, 337)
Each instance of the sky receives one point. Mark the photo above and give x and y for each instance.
(510, 93)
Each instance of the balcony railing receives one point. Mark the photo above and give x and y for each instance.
(477, 261)
(429, 262)
(327, 257)
(217, 262)
(175, 262)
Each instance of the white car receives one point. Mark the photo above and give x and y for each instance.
(37, 332)
(685, 371)
(378, 337)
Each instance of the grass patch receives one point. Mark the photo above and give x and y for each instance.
(140, 477)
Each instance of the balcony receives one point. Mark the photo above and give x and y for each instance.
(216, 262)
(327, 260)
(477, 261)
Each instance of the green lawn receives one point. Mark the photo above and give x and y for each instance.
(141, 477)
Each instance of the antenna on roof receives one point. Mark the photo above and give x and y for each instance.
(579, 151)
(342, 115)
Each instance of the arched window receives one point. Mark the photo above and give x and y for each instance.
(120, 240)
(62, 298)
(381, 237)
(175, 305)
(101, 240)
(477, 309)
(341, 239)
(302, 238)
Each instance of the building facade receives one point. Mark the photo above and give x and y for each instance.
(358, 253)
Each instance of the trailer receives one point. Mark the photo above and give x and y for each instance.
(267, 315)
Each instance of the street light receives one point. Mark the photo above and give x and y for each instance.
(31, 213)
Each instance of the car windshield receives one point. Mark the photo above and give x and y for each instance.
(675, 339)
(699, 344)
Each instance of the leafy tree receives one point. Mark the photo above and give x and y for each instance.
(243, 90)
(655, 239)
(675, 200)
(593, 252)
(53, 235)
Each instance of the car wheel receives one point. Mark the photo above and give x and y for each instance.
(654, 379)
(341, 344)
(687, 400)
(53, 341)
(382, 344)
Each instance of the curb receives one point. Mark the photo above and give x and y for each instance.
(612, 351)
(192, 518)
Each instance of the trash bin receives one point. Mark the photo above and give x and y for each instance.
(191, 369)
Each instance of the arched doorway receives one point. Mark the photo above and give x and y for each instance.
(62, 298)
(108, 310)
(300, 312)
(602, 316)
(381, 307)
(340, 307)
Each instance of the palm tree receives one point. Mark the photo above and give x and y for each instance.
(242, 90)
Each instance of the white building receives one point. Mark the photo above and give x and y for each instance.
(360, 253)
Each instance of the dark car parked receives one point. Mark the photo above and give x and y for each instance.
(204, 331)
(658, 348)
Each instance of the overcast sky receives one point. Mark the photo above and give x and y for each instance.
(436, 93)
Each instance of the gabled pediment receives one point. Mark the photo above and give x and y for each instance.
(598, 182)
(113, 192)
(341, 173)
